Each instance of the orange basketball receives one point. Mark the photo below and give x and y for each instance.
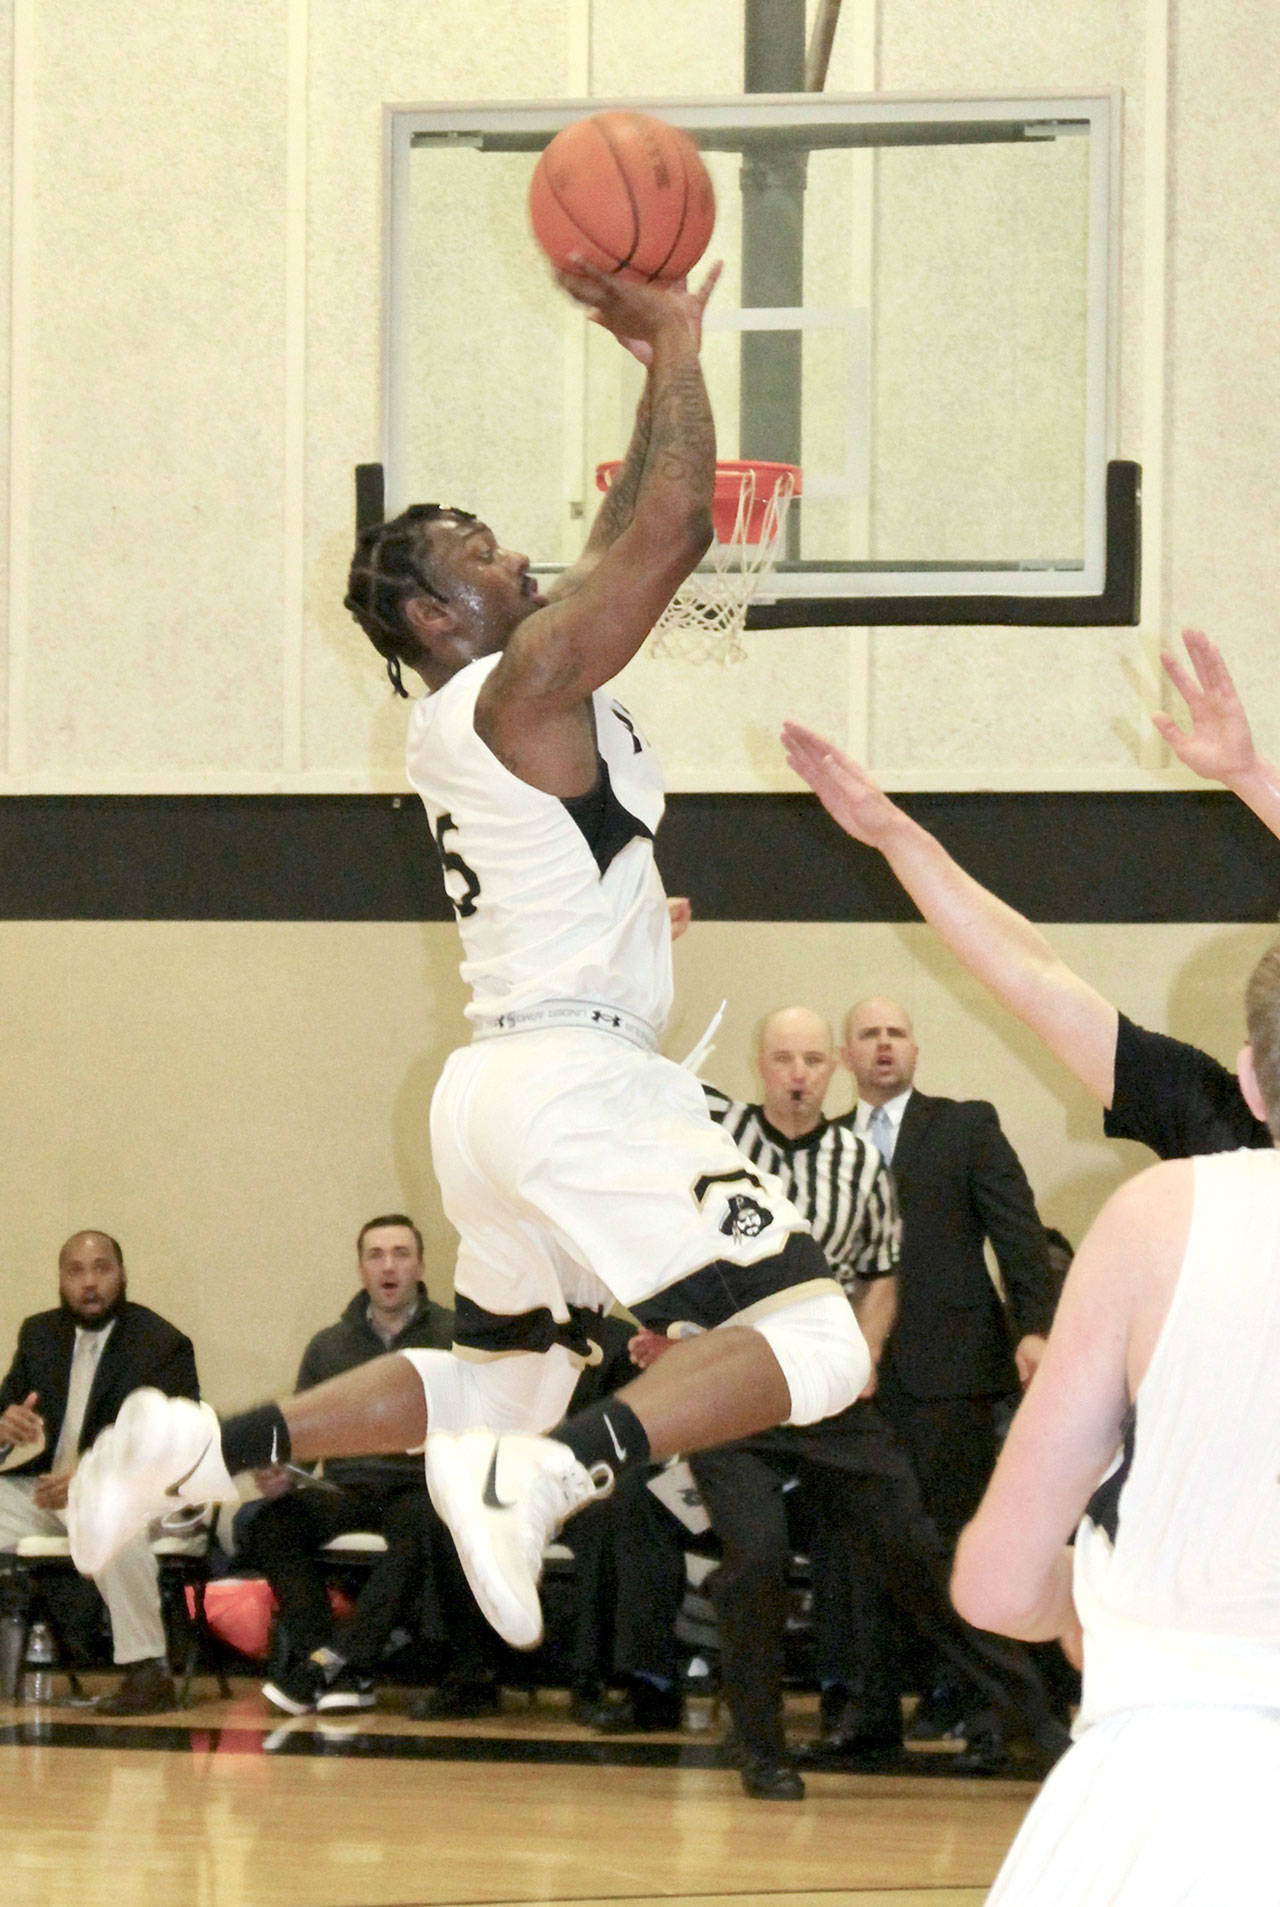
(625, 191)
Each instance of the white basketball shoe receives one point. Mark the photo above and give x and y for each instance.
(504, 1498)
(160, 1452)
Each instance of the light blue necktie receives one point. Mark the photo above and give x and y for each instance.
(880, 1126)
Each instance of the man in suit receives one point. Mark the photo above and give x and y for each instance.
(73, 1368)
(956, 1351)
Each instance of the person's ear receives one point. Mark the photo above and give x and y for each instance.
(428, 619)
(1247, 1074)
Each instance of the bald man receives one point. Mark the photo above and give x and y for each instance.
(839, 1185)
(959, 1353)
(956, 1352)
(72, 1370)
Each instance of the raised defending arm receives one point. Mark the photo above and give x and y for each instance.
(1219, 744)
(999, 946)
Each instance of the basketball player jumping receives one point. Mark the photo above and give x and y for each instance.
(1153, 1424)
(578, 1165)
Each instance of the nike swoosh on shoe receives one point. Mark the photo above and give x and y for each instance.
(490, 1498)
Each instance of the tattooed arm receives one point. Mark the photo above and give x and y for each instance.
(534, 709)
(618, 507)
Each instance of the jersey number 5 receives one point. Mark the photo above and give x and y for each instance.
(464, 904)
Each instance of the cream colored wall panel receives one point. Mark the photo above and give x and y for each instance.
(666, 49)
(1224, 525)
(233, 1100)
(362, 58)
(156, 401)
(1002, 707)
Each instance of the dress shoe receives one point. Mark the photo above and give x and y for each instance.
(990, 1750)
(643, 1710)
(861, 1748)
(146, 1688)
(939, 1714)
(985, 1752)
(853, 1735)
(771, 1781)
(458, 1699)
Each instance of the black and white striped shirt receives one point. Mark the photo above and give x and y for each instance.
(838, 1180)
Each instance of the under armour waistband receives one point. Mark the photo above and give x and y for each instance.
(574, 1013)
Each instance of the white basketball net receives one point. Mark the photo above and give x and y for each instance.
(705, 618)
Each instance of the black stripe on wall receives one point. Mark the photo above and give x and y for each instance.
(1065, 857)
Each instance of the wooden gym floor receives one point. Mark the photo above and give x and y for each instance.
(228, 1805)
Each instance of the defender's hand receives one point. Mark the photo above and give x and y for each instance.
(22, 1423)
(680, 913)
(1219, 744)
(845, 790)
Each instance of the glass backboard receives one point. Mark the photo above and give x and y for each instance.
(917, 309)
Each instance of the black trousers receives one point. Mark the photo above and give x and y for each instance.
(628, 1585)
(868, 1521)
(953, 1443)
(418, 1577)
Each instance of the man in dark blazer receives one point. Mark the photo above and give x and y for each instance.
(73, 1368)
(959, 1351)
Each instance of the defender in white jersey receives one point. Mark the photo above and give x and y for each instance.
(1154, 1422)
(578, 1165)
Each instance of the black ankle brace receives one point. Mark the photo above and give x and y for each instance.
(608, 1432)
(255, 1439)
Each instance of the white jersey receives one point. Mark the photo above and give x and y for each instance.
(1177, 1562)
(555, 900)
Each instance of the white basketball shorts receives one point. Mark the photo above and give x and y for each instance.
(578, 1168)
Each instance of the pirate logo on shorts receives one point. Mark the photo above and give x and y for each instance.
(745, 1218)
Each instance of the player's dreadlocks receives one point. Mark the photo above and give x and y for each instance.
(388, 569)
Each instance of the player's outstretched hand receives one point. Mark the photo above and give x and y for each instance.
(634, 313)
(1218, 744)
(845, 790)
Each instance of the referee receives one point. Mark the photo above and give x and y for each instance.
(856, 1479)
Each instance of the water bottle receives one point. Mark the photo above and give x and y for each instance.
(37, 1682)
(699, 1694)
